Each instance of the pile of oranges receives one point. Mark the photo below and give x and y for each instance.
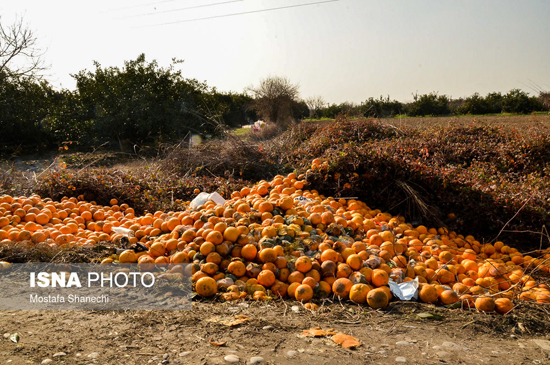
(277, 239)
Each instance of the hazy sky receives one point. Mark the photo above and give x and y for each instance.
(346, 50)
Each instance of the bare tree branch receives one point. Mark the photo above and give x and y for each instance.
(275, 98)
(315, 105)
(19, 53)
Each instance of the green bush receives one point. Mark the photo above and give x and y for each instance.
(381, 108)
(494, 103)
(236, 109)
(143, 102)
(428, 104)
(24, 105)
(474, 104)
(517, 101)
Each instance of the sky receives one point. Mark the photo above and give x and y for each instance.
(341, 50)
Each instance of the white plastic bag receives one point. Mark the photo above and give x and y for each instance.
(302, 200)
(405, 291)
(123, 231)
(199, 200)
(204, 197)
(216, 198)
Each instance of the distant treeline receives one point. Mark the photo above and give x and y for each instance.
(515, 101)
(143, 104)
(136, 105)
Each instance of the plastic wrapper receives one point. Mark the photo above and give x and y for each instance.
(405, 291)
(123, 231)
(204, 197)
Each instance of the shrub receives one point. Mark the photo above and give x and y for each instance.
(381, 108)
(494, 102)
(474, 104)
(429, 104)
(517, 101)
(24, 104)
(544, 98)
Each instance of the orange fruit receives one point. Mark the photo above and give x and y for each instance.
(448, 297)
(128, 256)
(303, 293)
(428, 294)
(206, 287)
(249, 252)
(268, 255)
(303, 264)
(266, 278)
(380, 278)
(377, 298)
(358, 293)
(485, 304)
(342, 287)
(503, 305)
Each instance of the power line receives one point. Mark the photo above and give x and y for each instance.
(242, 13)
(187, 8)
(142, 5)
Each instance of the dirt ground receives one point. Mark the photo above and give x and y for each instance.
(272, 331)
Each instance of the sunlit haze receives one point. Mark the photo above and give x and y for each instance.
(346, 50)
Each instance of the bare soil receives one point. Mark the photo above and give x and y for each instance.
(272, 332)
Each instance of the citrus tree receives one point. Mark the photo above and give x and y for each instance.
(142, 102)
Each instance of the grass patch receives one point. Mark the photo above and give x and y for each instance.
(240, 132)
(323, 119)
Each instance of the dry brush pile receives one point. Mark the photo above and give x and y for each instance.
(287, 237)
(481, 175)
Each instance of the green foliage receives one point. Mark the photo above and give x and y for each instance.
(494, 103)
(24, 104)
(143, 102)
(517, 101)
(300, 110)
(236, 109)
(67, 120)
(474, 104)
(428, 104)
(382, 107)
(333, 110)
(140, 103)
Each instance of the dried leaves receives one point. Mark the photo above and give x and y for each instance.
(232, 321)
(458, 169)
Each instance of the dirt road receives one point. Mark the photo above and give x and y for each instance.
(271, 333)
